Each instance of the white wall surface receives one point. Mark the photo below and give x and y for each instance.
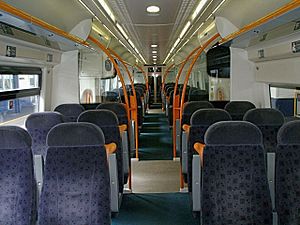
(65, 84)
(243, 83)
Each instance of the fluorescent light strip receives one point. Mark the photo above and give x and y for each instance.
(107, 9)
(122, 30)
(154, 52)
(176, 43)
(199, 8)
(154, 46)
(184, 30)
(131, 43)
(110, 31)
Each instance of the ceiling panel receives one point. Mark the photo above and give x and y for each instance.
(145, 29)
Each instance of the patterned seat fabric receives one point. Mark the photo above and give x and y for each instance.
(70, 111)
(190, 107)
(288, 174)
(118, 108)
(17, 186)
(200, 122)
(237, 109)
(198, 95)
(108, 122)
(76, 181)
(38, 125)
(110, 96)
(235, 187)
(269, 122)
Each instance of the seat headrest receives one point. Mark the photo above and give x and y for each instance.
(44, 119)
(13, 137)
(239, 107)
(118, 108)
(190, 107)
(100, 117)
(289, 133)
(69, 109)
(209, 116)
(75, 134)
(264, 117)
(233, 133)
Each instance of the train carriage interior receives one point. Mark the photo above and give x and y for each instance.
(150, 112)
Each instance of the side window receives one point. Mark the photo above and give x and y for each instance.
(19, 94)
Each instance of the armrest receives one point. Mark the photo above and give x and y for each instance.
(199, 148)
(110, 148)
(186, 128)
(122, 128)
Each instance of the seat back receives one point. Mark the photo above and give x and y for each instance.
(108, 122)
(76, 186)
(269, 121)
(17, 187)
(190, 107)
(200, 122)
(198, 95)
(118, 108)
(288, 173)
(110, 96)
(38, 125)
(70, 111)
(235, 186)
(237, 109)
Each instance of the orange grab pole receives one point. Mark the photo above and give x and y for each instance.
(166, 74)
(191, 68)
(145, 75)
(33, 20)
(96, 42)
(176, 98)
(133, 103)
(284, 9)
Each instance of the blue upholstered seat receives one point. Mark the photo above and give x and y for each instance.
(17, 186)
(118, 108)
(288, 174)
(108, 122)
(200, 122)
(237, 109)
(70, 111)
(235, 187)
(38, 125)
(269, 121)
(76, 186)
(190, 107)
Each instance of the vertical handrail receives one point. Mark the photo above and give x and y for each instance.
(191, 68)
(176, 98)
(106, 51)
(133, 107)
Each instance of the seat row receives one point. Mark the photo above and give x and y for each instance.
(76, 182)
(231, 182)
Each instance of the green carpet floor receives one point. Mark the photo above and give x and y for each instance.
(155, 209)
(155, 141)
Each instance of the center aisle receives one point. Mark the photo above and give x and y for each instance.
(155, 138)
(156, 209)
(155, 174)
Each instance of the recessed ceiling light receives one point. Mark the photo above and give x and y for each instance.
(153, 9)
(154, 45)
(154, 57)
(154, 52)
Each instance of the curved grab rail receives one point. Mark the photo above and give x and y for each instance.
(106, 51)
(191, 68)
(38, 22)
(176, 97)
(145, 75)
(133, 107)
